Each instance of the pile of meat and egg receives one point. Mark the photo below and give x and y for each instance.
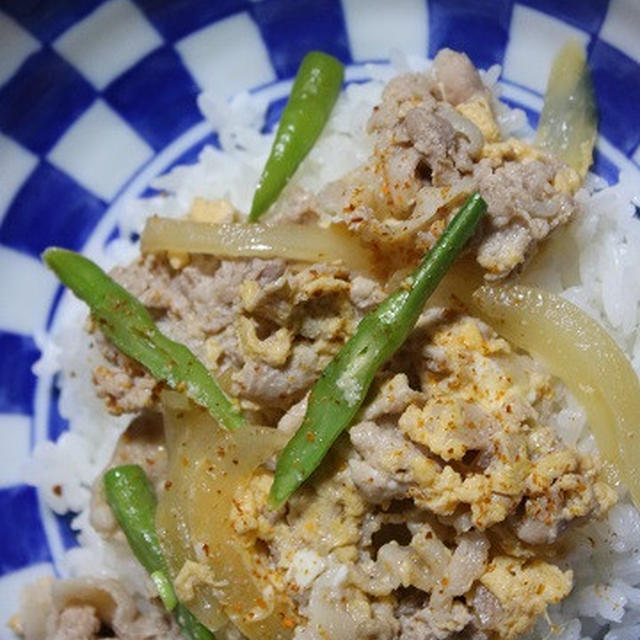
(443, 509)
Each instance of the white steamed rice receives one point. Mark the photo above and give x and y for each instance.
(594, 263)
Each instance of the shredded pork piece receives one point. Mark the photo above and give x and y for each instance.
(78, 608)
(456, 79)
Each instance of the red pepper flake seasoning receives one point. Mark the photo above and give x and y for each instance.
(168, 484)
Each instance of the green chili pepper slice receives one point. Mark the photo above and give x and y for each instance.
(133, 503)
(128, 325)
(314, 92)
(338, 394)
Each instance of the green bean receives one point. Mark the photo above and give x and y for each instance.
(133, 503)
(188, 623)
(165, 590)
(341, 389)
(128, 325)
(314, 92)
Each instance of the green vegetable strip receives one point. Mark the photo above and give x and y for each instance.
(343, 386)
(314, 92)
(191, 628)
(165, 590)
(133, 503)
(127, 323)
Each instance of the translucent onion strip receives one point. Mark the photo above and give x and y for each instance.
(207, 466)
(306, 243)
(568, 122)
(583, 355)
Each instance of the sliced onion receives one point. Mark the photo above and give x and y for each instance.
(307, 243)
(584, 356)
(568, 122)
(207, 465)
(171, 522)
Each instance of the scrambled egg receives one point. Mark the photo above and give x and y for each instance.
(524, 589)
(478, 109)
(274, 349)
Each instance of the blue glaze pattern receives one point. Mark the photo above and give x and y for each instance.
(163, 115)
(22, 529)
(16, 380)
(50, 208)
(36, 111)
(451, 23)
(317, 25)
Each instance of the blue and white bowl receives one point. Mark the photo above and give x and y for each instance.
(98, 97)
